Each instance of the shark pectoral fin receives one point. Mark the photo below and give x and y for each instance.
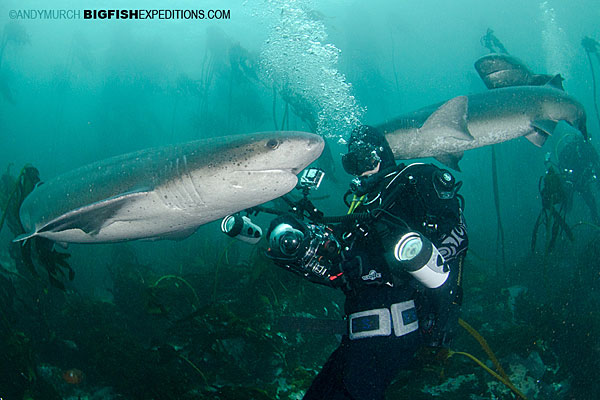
(544, 126)
(450, 118)
(93, 217)
(537, 137)
(556, 82)
(23, 237)
(451, 159)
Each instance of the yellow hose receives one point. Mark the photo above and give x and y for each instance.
(501, 375)
(484, 346)
(355, 203)
(506, 382)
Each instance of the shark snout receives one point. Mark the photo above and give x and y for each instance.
(315, 143)
(306, 148)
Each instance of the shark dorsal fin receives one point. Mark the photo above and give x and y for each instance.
(451, 118)
(556, 82)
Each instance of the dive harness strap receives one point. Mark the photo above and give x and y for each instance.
(401, 318)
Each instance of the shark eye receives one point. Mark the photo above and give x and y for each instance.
(273, 144)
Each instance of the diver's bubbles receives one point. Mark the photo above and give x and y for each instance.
(557, 48)
(303, 67)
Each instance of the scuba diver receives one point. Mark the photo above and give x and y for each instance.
(397, 256)
(575, 171)
(492, 43)
(554, 201)
(578, 164)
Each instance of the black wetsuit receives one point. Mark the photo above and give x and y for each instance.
(578, 163)
(363, 368)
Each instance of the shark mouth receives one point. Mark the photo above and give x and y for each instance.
(293, 171)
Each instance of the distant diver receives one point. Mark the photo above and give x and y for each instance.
(492, 43)
(575, 171)
(554, 208)
(579, 165)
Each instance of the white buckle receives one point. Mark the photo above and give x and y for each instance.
(401, 316)
(404, 322)
(383, 319)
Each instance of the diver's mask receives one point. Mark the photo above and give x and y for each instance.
(361, 157)
(445, 184)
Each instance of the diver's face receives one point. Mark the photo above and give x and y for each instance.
(373, 171)
(361, 159)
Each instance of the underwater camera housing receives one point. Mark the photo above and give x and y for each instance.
(309, 252)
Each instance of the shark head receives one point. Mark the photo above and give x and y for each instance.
(251, 169)
(562, 107)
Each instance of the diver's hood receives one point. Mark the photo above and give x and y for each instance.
(503, 70)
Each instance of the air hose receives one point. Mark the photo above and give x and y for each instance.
(500, 375)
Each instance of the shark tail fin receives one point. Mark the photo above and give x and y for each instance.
(24, 237)
(450, 118)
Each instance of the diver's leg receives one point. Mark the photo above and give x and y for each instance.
(329, 383)
(590, 200)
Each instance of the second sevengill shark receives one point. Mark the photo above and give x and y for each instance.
(444, 131)
(167, 192)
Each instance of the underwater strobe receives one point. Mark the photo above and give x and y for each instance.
(241, 228)
(421, 259)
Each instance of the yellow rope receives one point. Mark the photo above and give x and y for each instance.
(506, 381)
(165, 277)
(484, 345)
(586, 223)
(501, 375)
(193, 366)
